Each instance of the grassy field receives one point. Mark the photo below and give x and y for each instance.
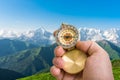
(116, 72)
(48, 76)
(42, 76)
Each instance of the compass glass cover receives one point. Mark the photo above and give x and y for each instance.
(67, 37)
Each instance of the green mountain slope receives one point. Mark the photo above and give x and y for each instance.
(112, 49)
(31, 61)
(8, 46)
(28, 62)
(9, 75)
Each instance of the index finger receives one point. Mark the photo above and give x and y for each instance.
(59, 51)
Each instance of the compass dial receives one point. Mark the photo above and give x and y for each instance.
(67, 36)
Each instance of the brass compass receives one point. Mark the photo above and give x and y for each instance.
(74, 59)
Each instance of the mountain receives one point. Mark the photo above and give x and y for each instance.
(112, 35)
(30, 61)
(8, 46)
(40, 36)
(43, 37)
(6, 74)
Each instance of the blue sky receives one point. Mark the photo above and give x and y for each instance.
(23, 15)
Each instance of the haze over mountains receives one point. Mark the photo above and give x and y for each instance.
(43, 37)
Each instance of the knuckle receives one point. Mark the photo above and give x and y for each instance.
(56, 50)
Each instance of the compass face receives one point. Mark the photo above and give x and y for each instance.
(67, 36)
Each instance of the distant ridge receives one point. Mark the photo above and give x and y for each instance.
(43, 37)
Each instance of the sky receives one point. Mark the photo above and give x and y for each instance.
(22, 15)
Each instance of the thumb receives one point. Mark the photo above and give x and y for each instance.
(89, 47)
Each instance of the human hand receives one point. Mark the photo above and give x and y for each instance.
(97, 66)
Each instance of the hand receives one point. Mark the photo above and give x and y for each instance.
(97, 66)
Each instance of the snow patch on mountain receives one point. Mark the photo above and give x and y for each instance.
(90, 34)
(39, 36)
(93, 34)
(9, 34)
